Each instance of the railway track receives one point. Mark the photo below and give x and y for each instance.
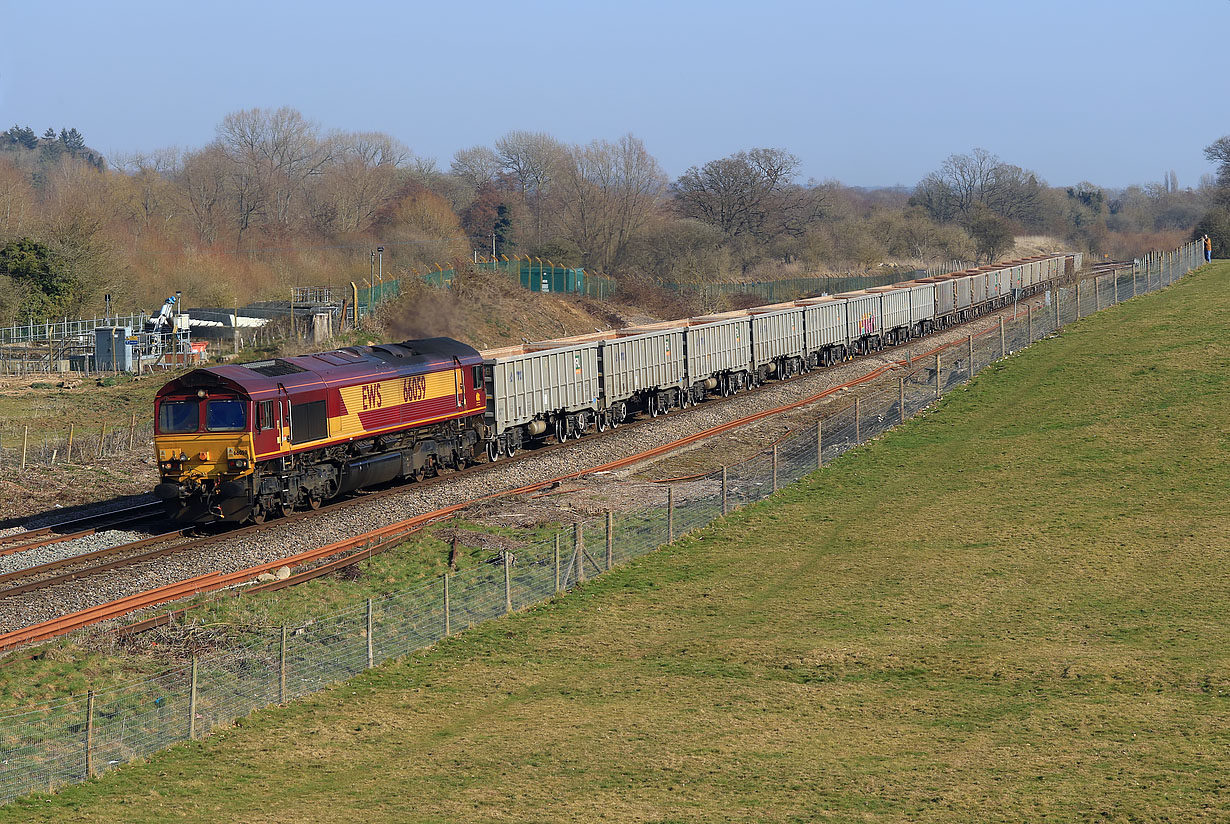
(80, 528)
(325, 559)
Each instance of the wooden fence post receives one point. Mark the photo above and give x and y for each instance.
(1003, 349)
(725, 508)
(557, 563)
(89, 734)
(1057, 290)
(670, 514)
(578, 547)
(775, 467)
(819, 442)
(970, 352)
(858, 433)
(610, 540)
(68, 450)
(1078, 299)
(371, 658)
(901, 398)
(282, 667)
(102, 436)
(1031, 323)
(132, 431)
(25, 439)
(448, 626)
(192, 704)
(937, 376)
(507, 583)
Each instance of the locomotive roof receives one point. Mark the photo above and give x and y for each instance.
(348, 364)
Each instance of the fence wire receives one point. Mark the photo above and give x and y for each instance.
(66, 740)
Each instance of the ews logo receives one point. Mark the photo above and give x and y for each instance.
(371, 396)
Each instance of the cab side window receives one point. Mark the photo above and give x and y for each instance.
(264, 415)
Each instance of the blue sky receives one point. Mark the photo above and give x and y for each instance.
(870, 94)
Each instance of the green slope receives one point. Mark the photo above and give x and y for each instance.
(1011, 609)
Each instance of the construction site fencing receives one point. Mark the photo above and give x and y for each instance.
(70, 739)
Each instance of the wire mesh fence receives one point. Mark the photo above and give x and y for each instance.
(70, 739)
(21, 449)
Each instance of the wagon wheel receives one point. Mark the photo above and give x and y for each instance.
(653, 407)
(600, 424)
(685, 398)
(510, 449)
(493, 450)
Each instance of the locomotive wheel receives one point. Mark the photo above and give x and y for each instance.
(258, 515)
(313, 502)
(420, 474)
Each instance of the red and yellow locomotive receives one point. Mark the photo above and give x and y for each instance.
(242, 442)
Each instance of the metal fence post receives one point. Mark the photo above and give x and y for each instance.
(282, 668)
(507, 583)
(670, 514)
(725, 508)
(610, 540)
(370, 657)
(578, 547)
(192, 704)
(89, 734)
(448, 618)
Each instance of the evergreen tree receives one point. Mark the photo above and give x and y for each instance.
(72, 140)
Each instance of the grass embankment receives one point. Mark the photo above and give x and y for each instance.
(1011, 609)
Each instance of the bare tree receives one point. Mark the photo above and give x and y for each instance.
(477, 165)
(534, 160)
(272, 154)
(359, 180)
(609, 190)
(204, 186)
(737, 194)
(970, 182)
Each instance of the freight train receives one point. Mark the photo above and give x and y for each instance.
(244, 442)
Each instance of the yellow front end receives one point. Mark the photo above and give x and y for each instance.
(191, 459)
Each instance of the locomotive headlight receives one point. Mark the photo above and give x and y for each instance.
(238, 463)
(200, 393)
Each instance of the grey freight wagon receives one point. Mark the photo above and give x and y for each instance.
(864, 326)
(531, 390)
(824, 325)
(643, 365)
(779, 346)
(719, 351)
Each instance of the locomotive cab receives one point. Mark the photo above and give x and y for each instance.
(204, 441)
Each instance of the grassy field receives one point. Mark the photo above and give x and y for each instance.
(1011, 609)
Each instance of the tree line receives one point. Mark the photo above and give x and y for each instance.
(273, 200)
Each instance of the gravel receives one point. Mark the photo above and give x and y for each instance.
(67, 549)
(281, 539)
